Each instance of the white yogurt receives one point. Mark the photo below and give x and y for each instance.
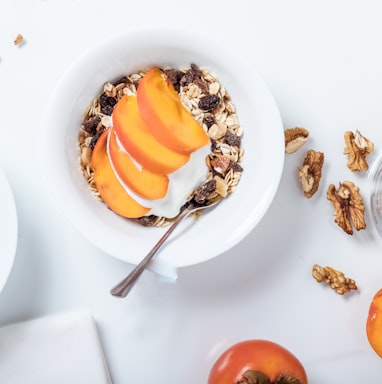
(182, 183)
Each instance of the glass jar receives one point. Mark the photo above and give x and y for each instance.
(375, 177)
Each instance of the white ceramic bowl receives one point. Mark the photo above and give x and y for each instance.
(217, 231)
(8, 229)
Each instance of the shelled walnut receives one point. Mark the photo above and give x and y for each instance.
(310, 172)
(357, 148)
(295, 138)
(336, 279)
(348, 206)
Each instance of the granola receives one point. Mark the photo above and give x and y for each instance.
(204, 97)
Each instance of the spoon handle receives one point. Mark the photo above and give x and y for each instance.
(124, 287)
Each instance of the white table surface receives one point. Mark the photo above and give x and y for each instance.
(323, 62)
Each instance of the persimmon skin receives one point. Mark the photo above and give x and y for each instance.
(374, 323)
(258, 355)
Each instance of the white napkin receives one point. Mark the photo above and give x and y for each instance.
(56, 349)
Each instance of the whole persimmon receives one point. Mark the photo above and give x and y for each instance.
(257, 361)
(374, 323)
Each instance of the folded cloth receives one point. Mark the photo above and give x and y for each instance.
(56, 349)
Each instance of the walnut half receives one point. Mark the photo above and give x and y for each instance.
(295, 138)
(336, 279)
(357, 148)
(348, 206)
(310, 172)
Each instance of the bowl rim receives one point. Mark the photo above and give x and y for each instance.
(9, 229)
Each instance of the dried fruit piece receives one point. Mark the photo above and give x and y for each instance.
(357, 148)
(205, 192)
(209, 102)
(232, 139)
(348, 206)
(310, 172)
(221, 164)
(295, 138)
(336, 279)
(91, 125)
(107, 104)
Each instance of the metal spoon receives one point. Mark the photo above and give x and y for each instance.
(124, 287)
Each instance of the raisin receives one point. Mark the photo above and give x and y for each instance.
(193, 74)
(122, 80)
(210, 186)
(91, 125)
(209, 102)
(196, 70)
(147, 221)
(95, 138)
(174, 76)
(214, 146)
(187, 78)
(202, 85)
(209, 121)
(232, 139)
(107, 104)
(204, 191)
(235, 166)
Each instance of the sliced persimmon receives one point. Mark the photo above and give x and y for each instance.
(166, 117)
(141, 181)
(140, 143)
(110, 189)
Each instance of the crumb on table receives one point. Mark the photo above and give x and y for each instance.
(19, 39)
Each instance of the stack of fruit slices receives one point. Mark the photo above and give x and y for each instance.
(152, 136)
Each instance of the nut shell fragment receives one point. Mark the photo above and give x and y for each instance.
(357, 148)
(336, 279)
(295, 138)
(348, 206)
(221, 164)
(310, 172)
